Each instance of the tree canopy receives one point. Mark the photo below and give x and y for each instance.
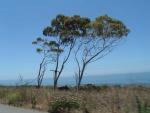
(90, 40)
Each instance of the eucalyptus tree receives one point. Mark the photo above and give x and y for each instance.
(103, 35)
(60, 38)
(90, 40)
(44, 51)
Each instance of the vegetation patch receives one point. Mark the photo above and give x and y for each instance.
(63, 105)
(15, 99)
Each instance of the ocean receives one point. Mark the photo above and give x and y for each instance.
(112, 79)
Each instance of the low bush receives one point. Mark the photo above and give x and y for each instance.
(3, 93)
(15, 99)
(63, 105)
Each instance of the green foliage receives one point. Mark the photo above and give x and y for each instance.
(39, 50)
(34, 42)
(3, 93)
(39, 39)
(64, 30)
(142, 106)
(67, 27)
(63, 105)
(33, 101)
(15, 99)
(53, 43)
(105, 26)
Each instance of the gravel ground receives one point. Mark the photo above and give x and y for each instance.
(9, 109)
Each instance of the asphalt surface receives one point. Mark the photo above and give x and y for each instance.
(9, 109)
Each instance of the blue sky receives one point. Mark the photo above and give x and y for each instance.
(21, 21)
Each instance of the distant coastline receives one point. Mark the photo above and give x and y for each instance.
(114, 79)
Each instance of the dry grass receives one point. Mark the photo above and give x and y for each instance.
(112, 99)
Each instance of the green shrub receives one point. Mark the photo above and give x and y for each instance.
(3, 93)
(33, 102)
(142, 106)
(15, 99)
(63, 105)
(22, 90)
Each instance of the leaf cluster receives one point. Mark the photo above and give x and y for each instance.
(68, 28)
(107, 27)
(65, 30)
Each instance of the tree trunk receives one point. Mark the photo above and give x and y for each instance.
(55, 80)
(55, 84)
(81, 75)
(38, 78)
(38, 86)
(41, 73)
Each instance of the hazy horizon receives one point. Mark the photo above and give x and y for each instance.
(50, 75)
(114, 79)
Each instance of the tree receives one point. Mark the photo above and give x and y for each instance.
(90, 40)
(104, 33)
(45, 55)
(60, 38)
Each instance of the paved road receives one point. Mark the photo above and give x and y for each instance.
(8, 109)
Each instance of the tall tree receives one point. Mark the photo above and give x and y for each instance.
(90, 40)
(44, 50)
(60, 38)
(104, 33)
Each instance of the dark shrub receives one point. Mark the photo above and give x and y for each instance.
(64, 88)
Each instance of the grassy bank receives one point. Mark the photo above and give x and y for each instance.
(97, 99)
